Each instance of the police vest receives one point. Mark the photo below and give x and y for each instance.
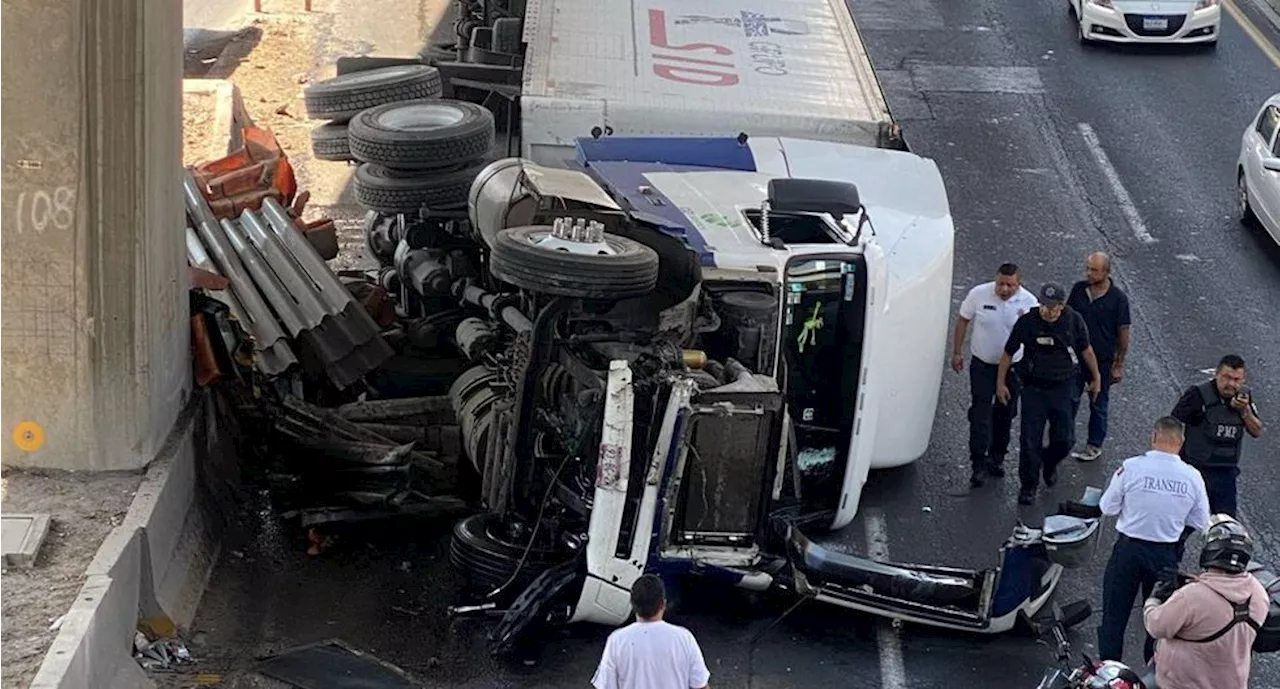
(1048, 359)
(1216, 441)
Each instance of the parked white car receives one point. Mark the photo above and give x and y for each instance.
(1148, 21)
(1258, 171)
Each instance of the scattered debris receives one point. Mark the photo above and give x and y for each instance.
(161, 654)
(333, 664)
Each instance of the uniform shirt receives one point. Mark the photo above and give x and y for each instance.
(1156, 496)
(992, 319)
(1105, 316)
(651, 655)
(1032, 331)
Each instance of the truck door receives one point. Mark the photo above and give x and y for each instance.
(824, 336)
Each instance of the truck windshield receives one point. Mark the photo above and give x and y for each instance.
(822, 345)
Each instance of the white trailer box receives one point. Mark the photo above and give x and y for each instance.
(789, 68)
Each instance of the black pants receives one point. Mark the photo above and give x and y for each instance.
(1220, 485)
(990, 422)
(1045, 406)
(1135, 567)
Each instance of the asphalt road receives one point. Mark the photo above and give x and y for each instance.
(1010, 132)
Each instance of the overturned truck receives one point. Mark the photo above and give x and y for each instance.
(680, 345)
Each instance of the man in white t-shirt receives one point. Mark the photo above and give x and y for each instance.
(649, 653)
(992, 308)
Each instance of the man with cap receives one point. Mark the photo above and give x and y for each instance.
(1054, 340)
(1105, 309)
(992, 308)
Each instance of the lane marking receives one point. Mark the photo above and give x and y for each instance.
(1127, 207)
(893, 672)
(1267, 47)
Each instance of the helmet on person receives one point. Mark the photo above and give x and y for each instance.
(1227, 546)
(1112, 674)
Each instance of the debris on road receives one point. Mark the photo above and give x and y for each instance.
(161, 654)
(333, 664)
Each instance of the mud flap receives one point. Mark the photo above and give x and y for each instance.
(534, 607)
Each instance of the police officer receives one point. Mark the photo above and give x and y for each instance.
(992, 307)
(1156, 497)
(1218, 413)
(1105, 309)
(1055, 340)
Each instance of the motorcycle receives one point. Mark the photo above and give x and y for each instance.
(1092, 674)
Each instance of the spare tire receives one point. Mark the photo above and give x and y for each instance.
(517, 258)
(488, 557)
(329, 142)
(340, 98)
(405, 191)
(422, 134)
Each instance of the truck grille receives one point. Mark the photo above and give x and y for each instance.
(1135, 23)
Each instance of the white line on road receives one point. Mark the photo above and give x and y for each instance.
(1127, 207)
(893, 672)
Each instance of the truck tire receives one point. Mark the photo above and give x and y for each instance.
(517, 258)
(488, 558)
(422, 134)
(508, 35)
(342, 97)
(402, 191)
(329, 142)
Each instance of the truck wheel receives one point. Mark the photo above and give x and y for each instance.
(329, 142)
(381, 236)
(422, 134)
(402, 191)
(488, 557)
(519, 256)
(508, 35)
(342, 97)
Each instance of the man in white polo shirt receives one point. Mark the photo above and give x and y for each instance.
(992, 307)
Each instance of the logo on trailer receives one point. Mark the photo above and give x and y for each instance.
(752, 24)
(715, 64)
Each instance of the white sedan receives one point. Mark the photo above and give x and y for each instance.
(1258, 172)
(1148, 21)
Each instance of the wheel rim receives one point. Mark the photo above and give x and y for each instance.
(420, 117)
(547, 240)
(378, 74)
(1242, 196)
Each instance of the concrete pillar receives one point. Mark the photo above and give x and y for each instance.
(94, 351)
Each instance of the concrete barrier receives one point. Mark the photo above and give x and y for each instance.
(152, 569)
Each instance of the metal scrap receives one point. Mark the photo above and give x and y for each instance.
(161, 654)
(339, 470)
(282, 292)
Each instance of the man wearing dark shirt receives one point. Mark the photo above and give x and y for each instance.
(1218, 413)
(1054, 340)
(1105, 309)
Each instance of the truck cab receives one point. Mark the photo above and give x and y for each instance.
(749, 380)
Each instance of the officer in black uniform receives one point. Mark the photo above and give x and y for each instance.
(1055, 339)
(1218, 413)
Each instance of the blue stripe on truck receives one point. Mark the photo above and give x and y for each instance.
(624, 181)
(724, 153)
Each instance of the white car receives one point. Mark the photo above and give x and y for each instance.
(1258, 171)
(1147, 21)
